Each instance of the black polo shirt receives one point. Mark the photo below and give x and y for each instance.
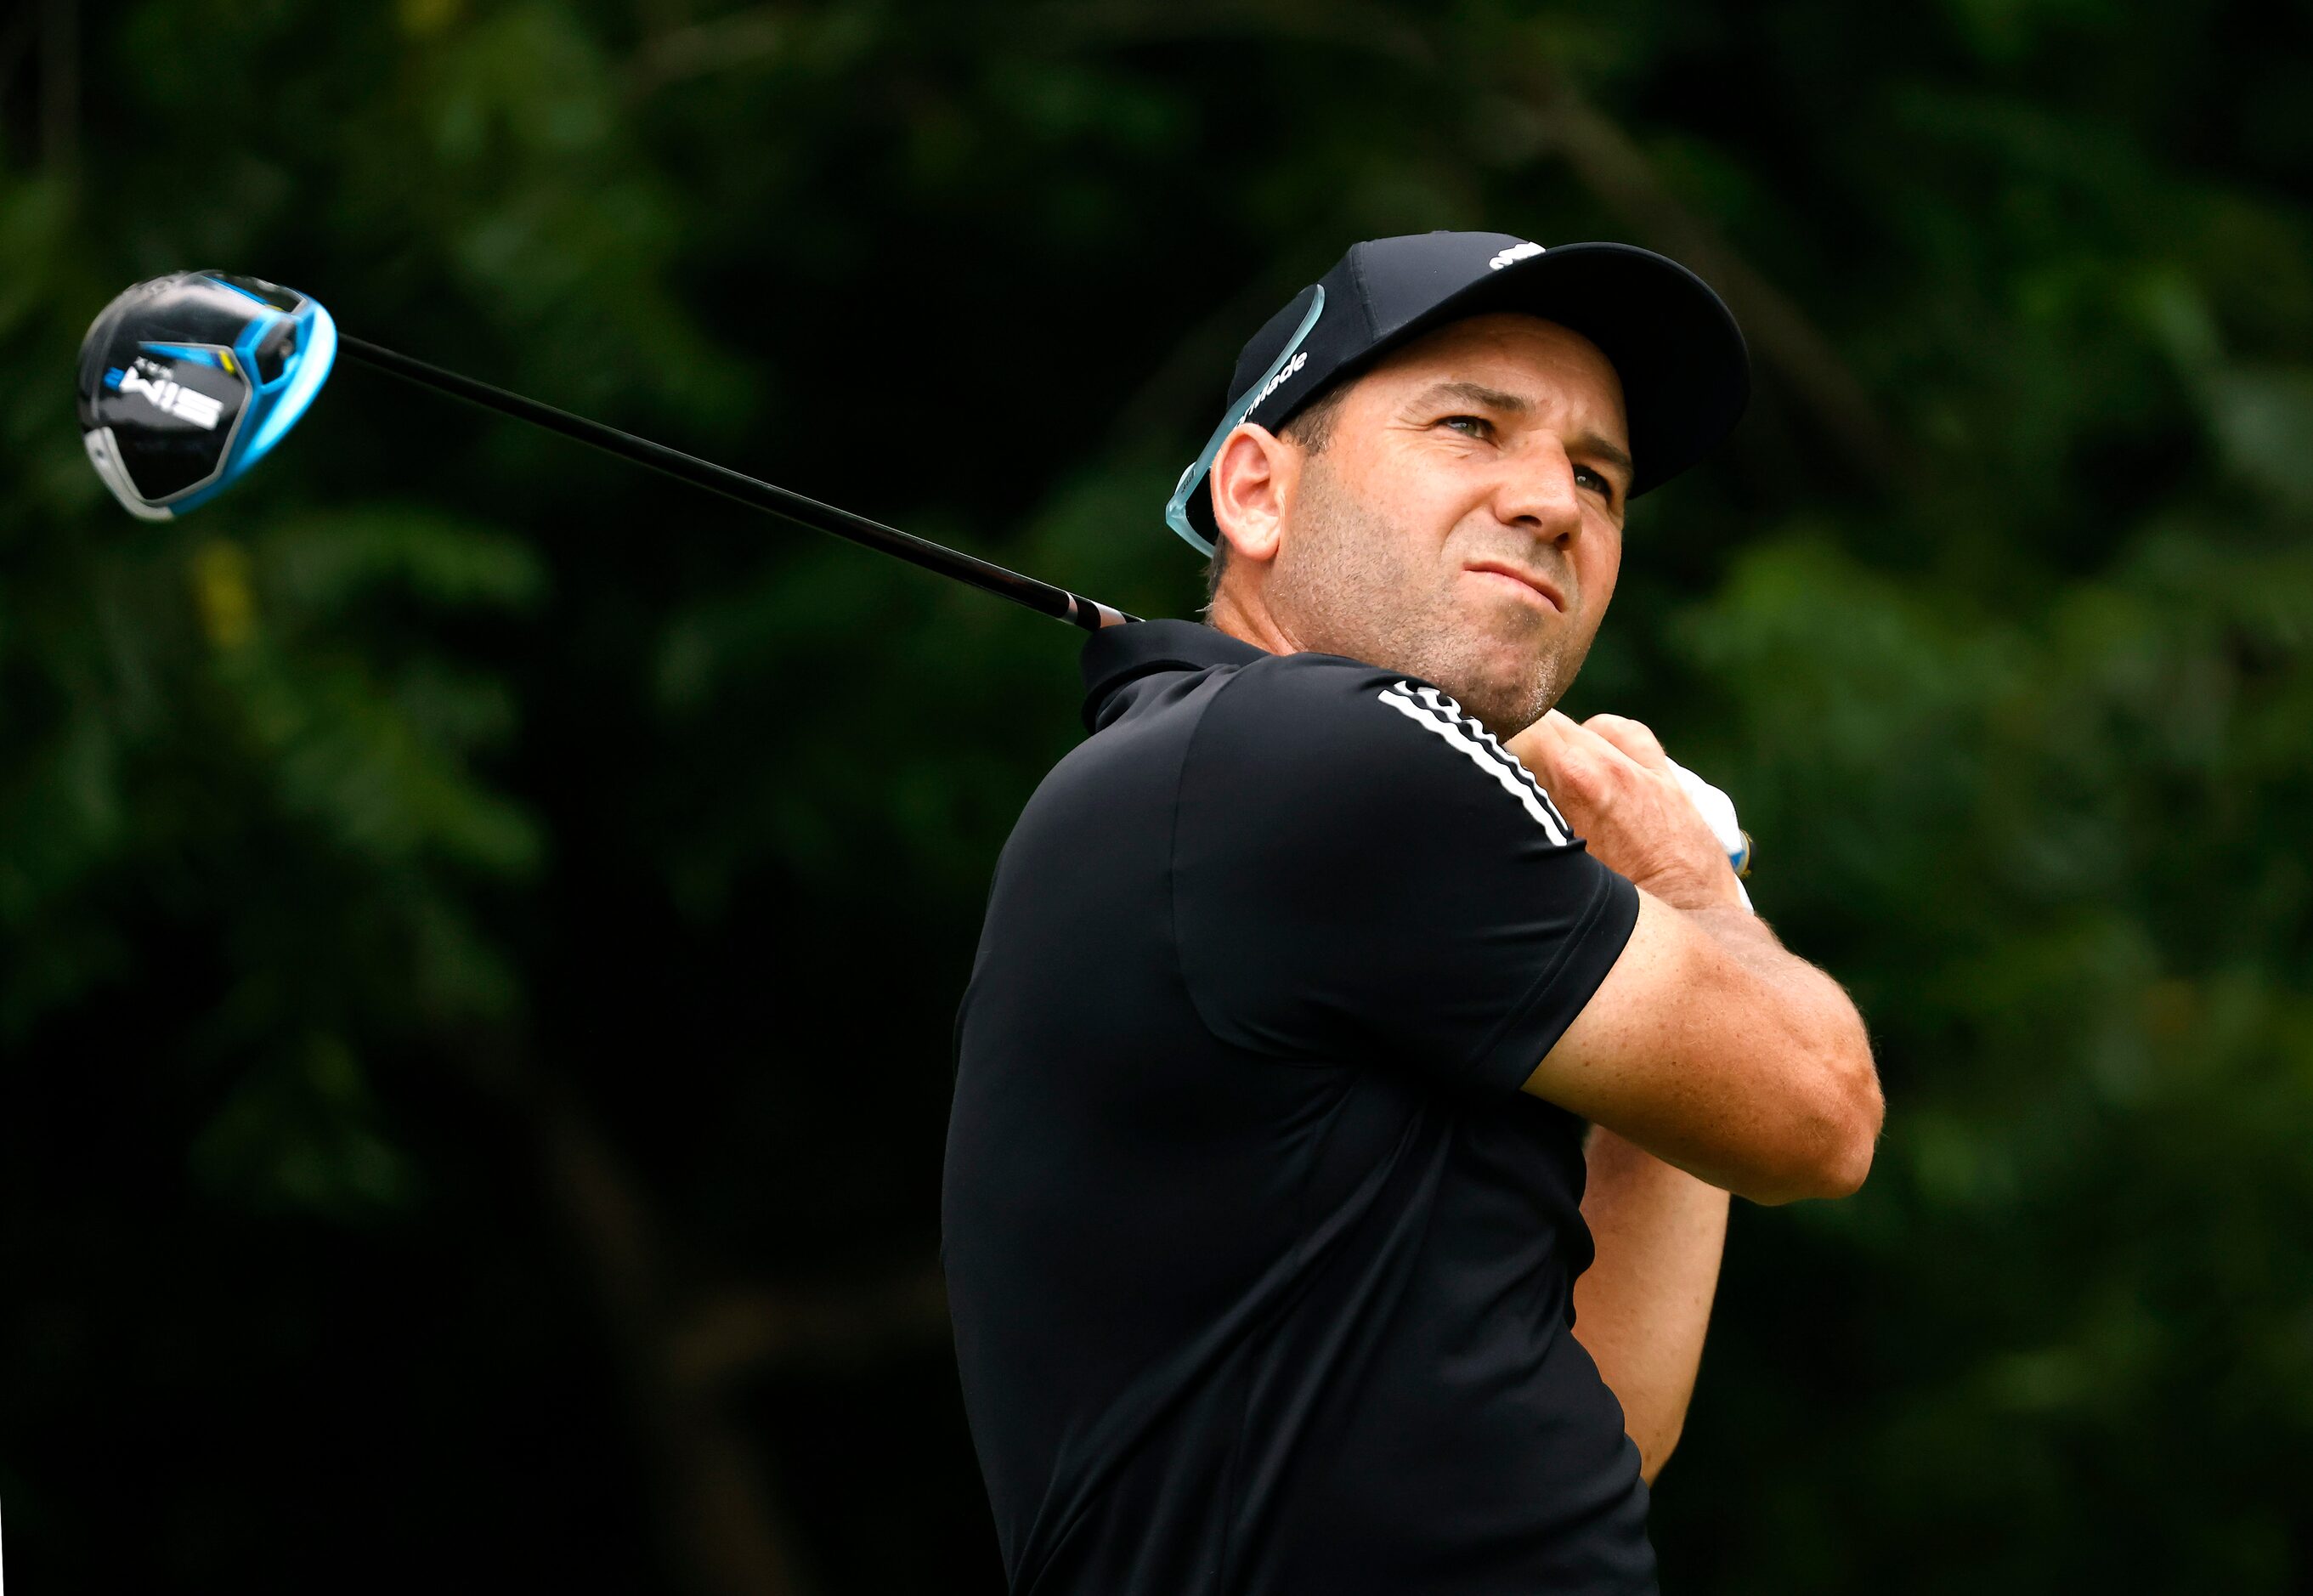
(1260, 1263)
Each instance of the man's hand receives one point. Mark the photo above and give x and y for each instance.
(1708, 1045)
(1615, 786)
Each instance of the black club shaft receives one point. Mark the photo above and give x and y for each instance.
(1043, 597)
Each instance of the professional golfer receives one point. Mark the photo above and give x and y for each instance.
(1358, 1051)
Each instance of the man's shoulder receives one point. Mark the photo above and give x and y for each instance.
(1329, 695)
(1154, 676)
(1268, 719)
(1314, 683)
(1277, 697)
(1293, 740)
(1289, 695)
(1318, 741)
(1393, 728)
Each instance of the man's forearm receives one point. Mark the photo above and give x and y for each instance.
(1642, 1307)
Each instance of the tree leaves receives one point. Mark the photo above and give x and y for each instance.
(442, 741)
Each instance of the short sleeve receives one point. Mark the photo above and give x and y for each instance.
(1362, 873)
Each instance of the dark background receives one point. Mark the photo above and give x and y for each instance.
(479, 925)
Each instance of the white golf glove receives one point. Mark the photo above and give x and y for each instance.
(1717, 812)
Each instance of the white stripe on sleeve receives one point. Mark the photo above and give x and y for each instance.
(1434, 713)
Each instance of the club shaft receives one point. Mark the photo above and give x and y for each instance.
(1043, 597)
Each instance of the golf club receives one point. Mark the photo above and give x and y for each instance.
(186, 382)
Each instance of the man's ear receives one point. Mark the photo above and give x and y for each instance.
(1253, 481)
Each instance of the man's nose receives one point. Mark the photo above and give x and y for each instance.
(1537, 492)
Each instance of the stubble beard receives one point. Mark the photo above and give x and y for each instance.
(1347, 582)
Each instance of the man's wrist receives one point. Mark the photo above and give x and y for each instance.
(1741, 934)
(1699, 893)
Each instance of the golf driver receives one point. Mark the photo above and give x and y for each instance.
(188, 381)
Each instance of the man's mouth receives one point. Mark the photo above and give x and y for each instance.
(1501, 572)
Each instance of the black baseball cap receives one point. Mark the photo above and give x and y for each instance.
(1684, 371)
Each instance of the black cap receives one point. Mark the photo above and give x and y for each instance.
(1684, 371)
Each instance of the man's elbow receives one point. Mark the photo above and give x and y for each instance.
(1848, 1160)
(1836, 1135)
(1655, 1451)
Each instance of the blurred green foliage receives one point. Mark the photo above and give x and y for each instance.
(442, 754)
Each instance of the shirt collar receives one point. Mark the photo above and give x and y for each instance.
(1116, 656)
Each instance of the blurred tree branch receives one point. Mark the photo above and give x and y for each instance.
(1368, 30)
(721, 1514)
(1601, 155)
(1187, 378)
(724, 1336)
(661, 16)
(1611, 165)
(670, 54)
(1564, 124)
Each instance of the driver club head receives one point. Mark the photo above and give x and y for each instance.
(188, 380)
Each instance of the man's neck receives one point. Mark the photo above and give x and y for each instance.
(1229, 615)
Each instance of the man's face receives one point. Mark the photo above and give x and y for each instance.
(1464, 523)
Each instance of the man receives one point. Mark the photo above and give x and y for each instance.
(1268, 1189)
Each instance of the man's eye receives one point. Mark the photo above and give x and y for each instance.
(1472, 426)
(1597, 480)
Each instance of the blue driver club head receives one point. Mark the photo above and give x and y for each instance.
(188, 380)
